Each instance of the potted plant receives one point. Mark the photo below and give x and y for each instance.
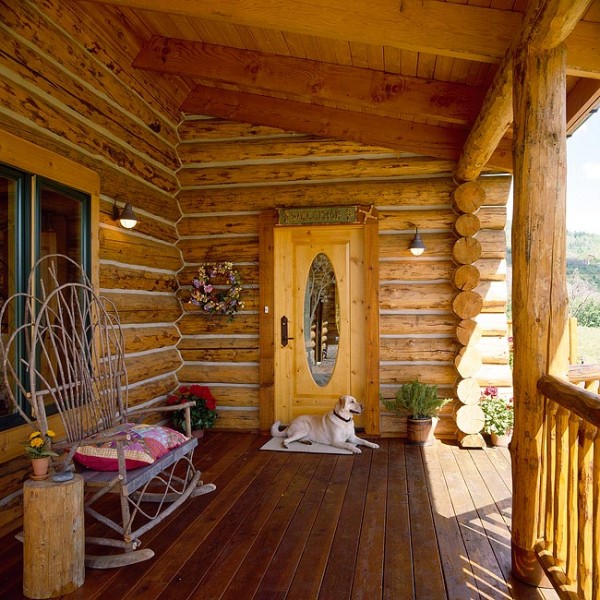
(38, 449)
(499, 416)
(420, 404)
(202, 414)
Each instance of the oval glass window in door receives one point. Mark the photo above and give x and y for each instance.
(321, 316)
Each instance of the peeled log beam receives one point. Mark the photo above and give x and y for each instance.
(545, 25)
(583, 403)
(470, 418)
(467, 225)
(466, 278)
(468, 391)
(466, 250)
(468, 197)
(419, 192)
(467, 305)
(539, 286)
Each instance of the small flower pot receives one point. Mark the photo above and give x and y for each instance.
(420, 432)
(40, 468)
(198, 433)
(502, 441)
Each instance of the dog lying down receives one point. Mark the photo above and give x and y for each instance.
(334, 428)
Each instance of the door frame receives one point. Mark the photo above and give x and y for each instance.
(369, 220)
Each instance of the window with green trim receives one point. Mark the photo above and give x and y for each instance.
(37, 217)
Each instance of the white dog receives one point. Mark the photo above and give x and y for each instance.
(335, 428)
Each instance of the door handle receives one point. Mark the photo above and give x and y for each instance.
(284, 331)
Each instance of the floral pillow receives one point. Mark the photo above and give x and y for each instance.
(148, 443)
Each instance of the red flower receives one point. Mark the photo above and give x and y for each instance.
(173, 400)
(491, 390)
(199, 390)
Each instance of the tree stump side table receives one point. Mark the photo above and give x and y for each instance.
(53, 537)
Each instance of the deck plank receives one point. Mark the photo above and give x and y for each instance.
(398, 523)
(339, 571)
(320, 540)
(458, 574)
(398, 566)
(487, 575)
(427, 567)
(368, 577)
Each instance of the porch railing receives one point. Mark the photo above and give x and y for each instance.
(569, 517)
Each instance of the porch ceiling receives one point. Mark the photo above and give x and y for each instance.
(410, 75)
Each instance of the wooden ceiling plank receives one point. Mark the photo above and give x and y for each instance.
(373, 130)
(444, 28)
(321, 82)
(461, 31)
(546, 25)
(584, 97)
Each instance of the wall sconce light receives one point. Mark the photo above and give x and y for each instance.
(126, 217)
(417, 246)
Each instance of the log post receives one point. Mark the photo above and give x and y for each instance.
(539, 278)
(53, 537)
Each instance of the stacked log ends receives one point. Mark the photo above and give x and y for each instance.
(468, 332)
(466, 201)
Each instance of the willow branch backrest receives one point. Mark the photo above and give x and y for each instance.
(73, 351)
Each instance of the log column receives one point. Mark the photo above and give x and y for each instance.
(539, 277)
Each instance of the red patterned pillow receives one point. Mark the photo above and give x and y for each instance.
(148, 442)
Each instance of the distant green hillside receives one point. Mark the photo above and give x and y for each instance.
(583, 257)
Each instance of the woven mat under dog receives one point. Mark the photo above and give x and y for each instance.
(276, 444)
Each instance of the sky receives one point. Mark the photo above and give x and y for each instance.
(583, 178)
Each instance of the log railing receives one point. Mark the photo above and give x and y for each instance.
(569, 511)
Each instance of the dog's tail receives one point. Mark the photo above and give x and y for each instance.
(275, 432)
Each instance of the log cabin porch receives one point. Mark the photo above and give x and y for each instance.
(102, 98)
(395, 523)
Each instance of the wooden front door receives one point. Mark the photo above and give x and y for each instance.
(319, 313)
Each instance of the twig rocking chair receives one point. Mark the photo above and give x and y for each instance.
(73, 365)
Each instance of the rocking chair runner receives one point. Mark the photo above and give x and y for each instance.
(75, 366)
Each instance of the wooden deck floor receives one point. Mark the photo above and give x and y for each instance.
(396, 523)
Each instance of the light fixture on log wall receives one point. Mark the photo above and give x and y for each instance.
(417, 246)
(126, 217)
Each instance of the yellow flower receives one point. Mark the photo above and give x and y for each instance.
(36, 442)
(50, 433)
(35, 434)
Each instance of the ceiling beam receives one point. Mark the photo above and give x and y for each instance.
(444, 28)
(374, 130)
(539, 31)
(382, 93)
(582, 99)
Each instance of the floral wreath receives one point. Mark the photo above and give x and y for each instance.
(221, 300)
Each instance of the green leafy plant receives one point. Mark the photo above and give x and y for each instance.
(203, 414)
(39, 445)
(416, 400)
(499, 412)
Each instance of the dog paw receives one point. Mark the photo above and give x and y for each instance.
(356, 450)
(374, 446)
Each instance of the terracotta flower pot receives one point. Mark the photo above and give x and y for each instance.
(501, 440)
(40, 467)
(198, 433)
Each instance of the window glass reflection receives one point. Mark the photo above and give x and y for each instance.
(321, 317)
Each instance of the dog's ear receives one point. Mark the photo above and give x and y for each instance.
(343, 401)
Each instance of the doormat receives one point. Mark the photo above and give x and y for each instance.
(276, 444)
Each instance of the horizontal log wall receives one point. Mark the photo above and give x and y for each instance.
(231, 172)
(66, 85)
